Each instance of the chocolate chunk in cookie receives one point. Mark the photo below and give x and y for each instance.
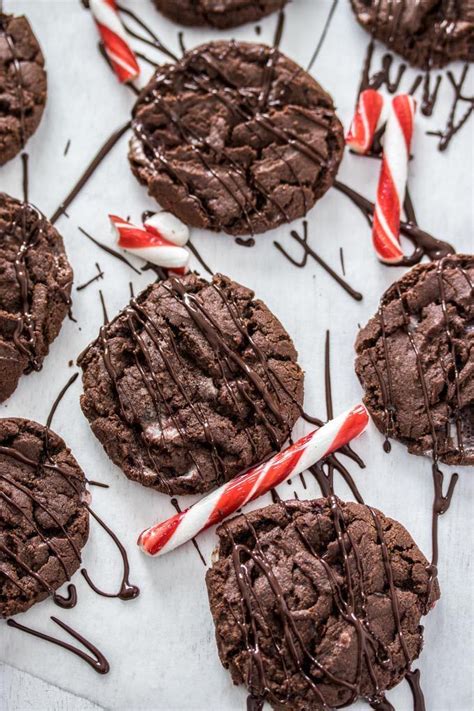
(318, 603)
(429, 33)
(415, 360)
(235, 137)
(44, 522)
(23, 85)
(218, 13)
(35, 289)
(191, 384)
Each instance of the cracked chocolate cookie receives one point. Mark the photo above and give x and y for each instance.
(235, 137)
(415, 360)
(44, 523)
(23, 85)
(191, 384)
(428, 33)
(318, 603)
(35, 289)
(218, 13)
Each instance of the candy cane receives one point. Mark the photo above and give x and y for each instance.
(152, 246)
(115, 39)
(368, 118)
(393, 180)
(164, 537)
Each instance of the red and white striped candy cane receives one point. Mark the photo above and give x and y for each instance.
(164, 537)
(393, 180)
(151, 246)
(114, 37)
(368, 118)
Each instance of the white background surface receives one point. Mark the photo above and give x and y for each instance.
(161, 646)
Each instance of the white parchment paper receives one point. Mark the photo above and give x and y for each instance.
(161, 646)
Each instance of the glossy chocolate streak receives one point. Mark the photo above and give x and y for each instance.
(97, 661)
(425, 244)
(127, 591)
(150, 38)
(323, 36)
(90, 170)
(309, 252)
(99, 275)
(55, 404)
(413, 678)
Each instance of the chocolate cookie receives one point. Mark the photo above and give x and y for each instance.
(44, 523)
(318, 603)
(235, 137)
(415, 360)
(429, 33)
(23, 85)
(35, 288)
(192, 383)
(217, 13)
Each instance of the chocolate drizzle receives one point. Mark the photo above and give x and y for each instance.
(309, 252)
(89, 171)
(99, 275)
(453, 126)
(97, 661)
(127, 591)
(386, 77)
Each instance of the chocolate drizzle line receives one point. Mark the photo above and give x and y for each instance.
(99, 275)
(109, 250)
(309, 252)
(177, 507)
(127, 591)
(55, 404)
(152, 40)
(323, 35)
(97, 661)
(90, 170)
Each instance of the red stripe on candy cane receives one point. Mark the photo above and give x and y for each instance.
(115, 39)
(393, 180)
(366, 121)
